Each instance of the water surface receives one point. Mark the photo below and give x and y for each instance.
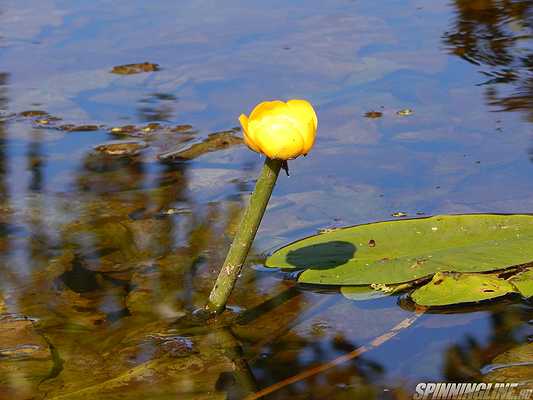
(99, 256)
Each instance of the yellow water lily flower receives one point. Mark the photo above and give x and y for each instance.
(280, 130)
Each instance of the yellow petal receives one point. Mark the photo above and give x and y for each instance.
(243, 119)
(309, 137)
(279, 138)
(266, 107)
(303, 111)
(248, 139)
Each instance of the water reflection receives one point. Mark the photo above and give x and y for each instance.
(464, 361)
(101, 254)
(496, 35)
(157, 107)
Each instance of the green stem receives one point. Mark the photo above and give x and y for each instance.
(245, 236)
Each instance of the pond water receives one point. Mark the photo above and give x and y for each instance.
(103, 257)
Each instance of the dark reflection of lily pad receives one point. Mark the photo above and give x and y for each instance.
(322, 255)
(129, 69)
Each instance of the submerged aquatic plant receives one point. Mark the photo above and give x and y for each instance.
(281, 131)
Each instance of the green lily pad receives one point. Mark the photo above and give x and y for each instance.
(401, 251)
(524, 282)
(455, 288)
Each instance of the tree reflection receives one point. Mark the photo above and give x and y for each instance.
(497, 34)
(3, 138)
(157, 107)
(463, 362)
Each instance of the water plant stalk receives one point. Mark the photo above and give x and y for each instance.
(244, 237)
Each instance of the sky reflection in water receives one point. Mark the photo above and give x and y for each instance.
(90, 246)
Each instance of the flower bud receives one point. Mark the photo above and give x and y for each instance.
(280, 130)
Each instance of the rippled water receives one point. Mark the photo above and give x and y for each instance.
(100, 256)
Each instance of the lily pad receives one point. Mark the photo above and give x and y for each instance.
(455, 288)
(524, 282)
(401, 251)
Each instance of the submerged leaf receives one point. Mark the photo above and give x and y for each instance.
(410, 249)
(455, 288)
(524, 282)
(360, 293)
(215, 141)
(515, 365)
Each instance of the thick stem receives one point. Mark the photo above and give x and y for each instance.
(245, 236)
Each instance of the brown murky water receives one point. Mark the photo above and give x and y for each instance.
(120, 188)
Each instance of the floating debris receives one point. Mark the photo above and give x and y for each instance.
(405, 112)
(32, 113)
(130, 69)
(154, 126)
(182, 128)
(78, 128)
(122, 149)
(48, 120)
(420, 213)
(124, 130)
(215, 141)
(399, 214)
(151, 128)
(373, 114)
